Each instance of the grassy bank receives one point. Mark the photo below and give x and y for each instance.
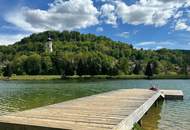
(35, 77)
(171, 77)
(129, 77)
(58, 77)
(106, 77)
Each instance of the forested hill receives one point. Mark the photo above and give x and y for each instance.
(87, 54)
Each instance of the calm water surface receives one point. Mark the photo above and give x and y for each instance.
(22, 95)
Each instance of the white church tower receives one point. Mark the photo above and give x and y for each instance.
(49, 45)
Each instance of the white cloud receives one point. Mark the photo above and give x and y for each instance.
(178, 14)
(187, 4)
(77, 14)
(146, 12)
(155, 44)
(61, 15)
(146, 43)
(159, 47)
(108, 14)
(10, 39)
(99, 29)
(182, 25)
(124, 34)
(135, 32)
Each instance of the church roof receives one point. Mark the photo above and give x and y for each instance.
(49, 38)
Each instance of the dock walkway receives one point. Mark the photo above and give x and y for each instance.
(115, 110)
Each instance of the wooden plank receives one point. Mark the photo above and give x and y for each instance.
(172, 94)
(135, 116)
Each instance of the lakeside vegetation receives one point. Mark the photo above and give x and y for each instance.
(88, 77)
(32, 77)
(78, 55)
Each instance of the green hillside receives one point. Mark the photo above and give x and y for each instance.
(88, 54)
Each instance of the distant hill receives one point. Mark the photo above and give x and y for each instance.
(88, 54)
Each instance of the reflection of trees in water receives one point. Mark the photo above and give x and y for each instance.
(151, 120)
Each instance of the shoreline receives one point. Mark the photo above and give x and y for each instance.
(87, 77)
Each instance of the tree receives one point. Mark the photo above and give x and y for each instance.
(137, 68)
(69, 69)
(33, 64)
(81, 68)
(7, 71)
(46, 65)
(184, 69)
(149, 69)
(95, 65)
(18, 64)
(124, 65)
(58, 63)
(88, 54)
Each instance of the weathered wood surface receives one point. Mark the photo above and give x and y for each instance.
(116, 110)
(105, 111)
(172, 94)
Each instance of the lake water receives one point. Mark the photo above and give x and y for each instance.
(169, 115)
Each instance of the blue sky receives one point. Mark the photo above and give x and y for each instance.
(148, 24)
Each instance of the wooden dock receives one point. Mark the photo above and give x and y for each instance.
(115, 110)
(172, 94)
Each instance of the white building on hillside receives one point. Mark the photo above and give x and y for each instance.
(49, 45)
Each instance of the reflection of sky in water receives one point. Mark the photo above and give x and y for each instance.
(21, 95)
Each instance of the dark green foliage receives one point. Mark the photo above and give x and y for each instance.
(7, 72)
(149, 69)
(88, 54)
(46, 65)
(94, 64)
(69, 68)
(124, 65)
(156, 67)
(82, 68)
(185, 66)
(33, 64)
(19, 64)
(137, 68)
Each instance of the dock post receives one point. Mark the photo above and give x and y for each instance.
(146, 113)
(156, 103)
(140, 122)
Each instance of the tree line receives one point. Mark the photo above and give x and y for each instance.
(87, 54)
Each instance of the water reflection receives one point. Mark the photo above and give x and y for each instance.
(21, 95)
(151, 120)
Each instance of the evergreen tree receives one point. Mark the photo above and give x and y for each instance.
(69, 69)
(123, 65)
(149, 69)
(81, 68)
(7, 71)
(137, 68)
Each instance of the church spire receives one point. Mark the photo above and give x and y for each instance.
(49, 44)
